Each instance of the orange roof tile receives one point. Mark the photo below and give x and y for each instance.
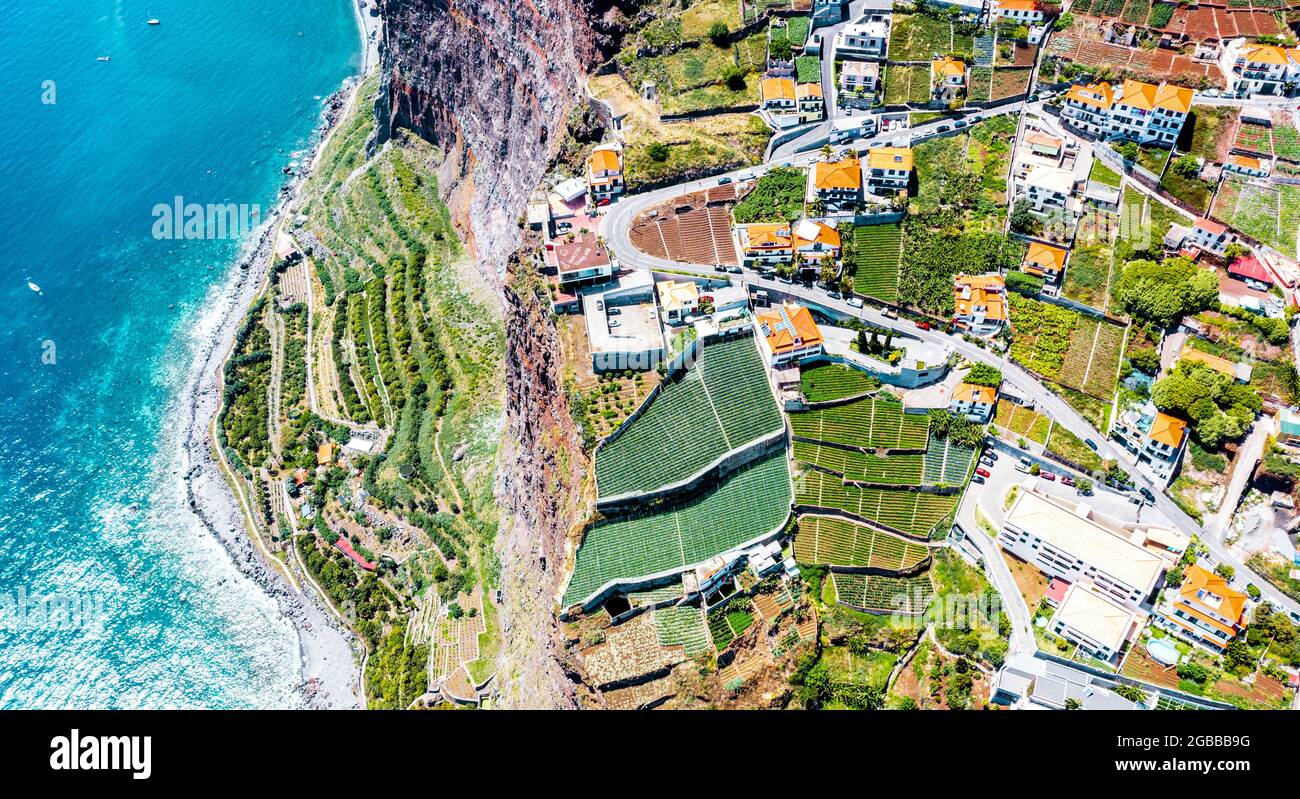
(890, 158)
(804, 90)
(1231, 602)
(1019, 5)
(1174, 98)
(1136, 94)
(980, 395)
(1045, 257)
(1266, 54)
(603, 161)
(1244, 161)
(1098, 95)
(776, 89)
(1220, 365)
(948, 67)
(789, 327)
(846, 174)
(1167, 430)
(821, 234)
(767, 237)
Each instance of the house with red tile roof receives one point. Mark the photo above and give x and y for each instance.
(974, 402)
(788, 333)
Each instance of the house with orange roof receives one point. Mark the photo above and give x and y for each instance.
(1251, 69)
(816, 241)
(1154, 437)
(325, 454)
(1240, 372)
(765, 245)
(777, 95)
(974, 402)
(889, 168)
(605, 173)
(788, 333)
(947, 79)
(838, 184)
(1248, 165)
(1210, 236)
(811, 104)
(1135, 110)
(1044, 260)
(1025, 12)
(981, 303)
(1204, 610)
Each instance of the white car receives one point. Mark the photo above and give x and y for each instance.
(855, 302)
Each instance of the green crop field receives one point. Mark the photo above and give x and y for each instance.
(911, 513)
(1066, 346)
(839, 542)
(1270, 214)
(874, 592)
(832, 381)
(917, 37)
(750, 502)
(861, 467)
(877, 251)
(722, 403)
(866, 423)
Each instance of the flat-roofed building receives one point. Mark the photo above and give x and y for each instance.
(1094, 622)
(1050, 189)
(1205, 609)
(1076, 544)
(868, 38)
(579, 260)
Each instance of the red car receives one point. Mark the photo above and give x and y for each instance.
(1047, 476)
(1067, 480)
(982, 472)
(923, 325)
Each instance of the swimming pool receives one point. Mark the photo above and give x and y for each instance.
(1163, 651)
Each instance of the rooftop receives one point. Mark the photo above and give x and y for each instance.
(789, 327)
(845, 174)
(890, 158)
(1095, 616)
(1168, 430)
(969, 392)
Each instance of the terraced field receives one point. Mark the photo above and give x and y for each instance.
(877, 251)
(682, 625)
(832, 381)
(823, 540)
(908, 512)
(1065, 346)
(1269, 214)
(872, 592)
(1022, 421)
(719, 405)
(867, 423)
(946, 463)
(750, 502)
(860, 467)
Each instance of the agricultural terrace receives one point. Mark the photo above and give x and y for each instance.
(946, 463)
(1270, 213)
(776, 197)
(967, 169)
(936, 248)
(860, 467)
(682, 625)
(721, 404)
(831, 381)
(912, 513)
(825, 540)
(919, 37)
(866, 423)
(728, 623)
(1022, 421)
(876, 593)
(1065, 346)
(751, 502)
(873, 259)
(1209, 131)
(694, 78)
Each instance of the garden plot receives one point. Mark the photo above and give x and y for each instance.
(1023, 422)
(1269, 214)
(867, 424)
(917, 37)
(832, 381)
(907, 84)
(877, 251)
(876, 593)
(1010, 82)
(1065, 346)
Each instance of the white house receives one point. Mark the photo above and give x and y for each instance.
(1139, 111)
(1209, 235)
(1263, 70)
(974, 402)
(869, 39)
(889, 168)
(1025, 12)
(1096, 624)
(1049, 188)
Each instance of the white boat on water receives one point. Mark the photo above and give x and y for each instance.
(105, 58)
(33, 287)
(155, 22)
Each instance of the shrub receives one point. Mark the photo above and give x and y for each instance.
(658, 151)
(718, 33)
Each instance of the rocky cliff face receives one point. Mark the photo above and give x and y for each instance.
(491, 82)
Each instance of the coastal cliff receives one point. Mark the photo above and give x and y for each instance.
(491, 83)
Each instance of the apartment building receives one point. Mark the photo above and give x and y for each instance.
(889, 168)
(1074, 543)
(1135, 110)
(1050, 189)
(1204, 609)
(1259, 69)
(867, 38)
(765, 245)
(1095, 623)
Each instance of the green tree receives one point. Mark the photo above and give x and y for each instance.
(657, 151)
(718, 33)
(1162, 292)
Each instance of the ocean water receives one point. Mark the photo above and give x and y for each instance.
(209, 106)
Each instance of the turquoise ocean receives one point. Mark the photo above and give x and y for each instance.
(210, 105)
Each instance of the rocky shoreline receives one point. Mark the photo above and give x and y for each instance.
(329, 654)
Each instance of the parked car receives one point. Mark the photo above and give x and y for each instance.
(833, 294)
(1146, 492)
(719, 268)
(614, 323)
(943, 128)
(889, 313)
(991, 453)
(922, 325)
(615, 311)
(961, 123)
(735, 270)
(1092, 445)
(982, 472)
(977, 479)
(1048, 476)
(1067, 480)
(855, 302)
(1023, 466)
(723, 181)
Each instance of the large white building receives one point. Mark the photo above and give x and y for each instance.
(1135, 110)
(865, 39)
(1263, 70)
(1073, 542)
(1095, 623)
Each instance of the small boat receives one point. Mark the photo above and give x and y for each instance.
(105, 58)
(33, 287)
(155, 22)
